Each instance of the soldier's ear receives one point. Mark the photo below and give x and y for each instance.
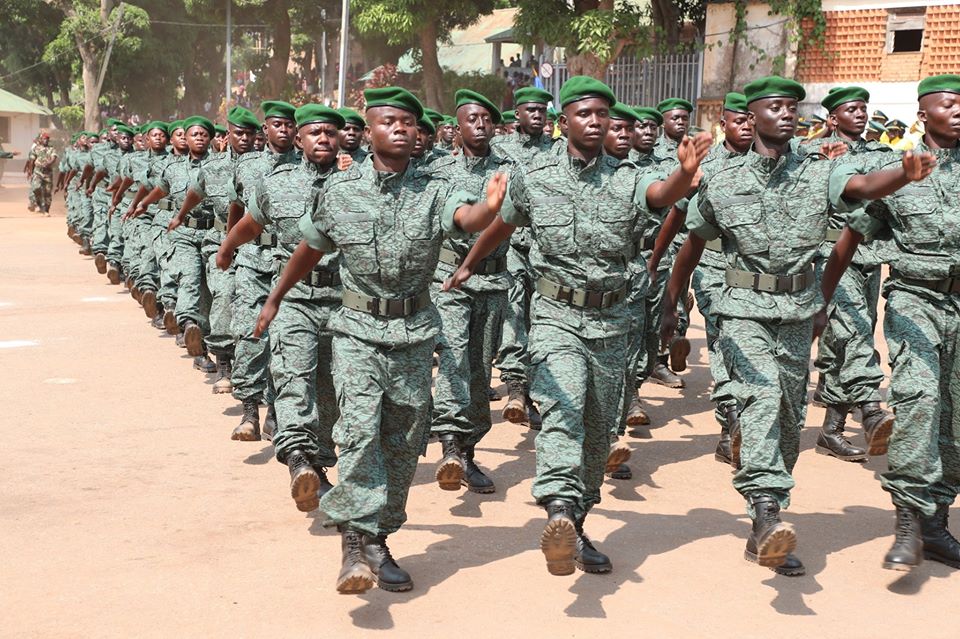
(922, 115)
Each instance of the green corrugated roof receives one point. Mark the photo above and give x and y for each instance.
(11, 103)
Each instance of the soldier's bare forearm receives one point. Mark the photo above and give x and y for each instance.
(875, 185)
(671, 226)
(840, 258)
(494, 234)
(241, 233)
(191, 200)
(668, 192)
(234, 215)
(474, 218)
(687, 259)
(300, 264)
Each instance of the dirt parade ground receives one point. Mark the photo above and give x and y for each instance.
(127, 511)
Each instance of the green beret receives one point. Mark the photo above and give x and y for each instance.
(842, 95)
(873, 125)
(452, 121)
(92, 134)
(242, 118)
(311, 113)
(424, 122)
(156, 124)
(580, 87)
(774, 86)
(816, 119)
(552, 113)
(74, 138)
(115, 122)
(102, 131)
(123, 128)
(621, 111)
(434, 116)
(531, 94)
(173, 126)
(736, 102)
(466, 96)
(647, 113)
(393, 97)
(674, 103)
(946, 83)
(509, 117)
(198, 120)
(277, 109)
(351, 117)
(879, 116)
(219, 129)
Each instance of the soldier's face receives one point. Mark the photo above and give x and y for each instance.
(532, 118)
(241, 140)
(587, 122)
(124, 141)
(350, 137)
(476, 128)
(198, 140)
(157, 139)
(320, 142)
(280, 132)
(179, 140)
(44, 140)
(645, 135)
(619, 139)
(260, 141)
(447, 133)
(850, 119)
(775, 119)
(940, 114)
(737, 130)
(675, 123)
(392, 131)
(423, 142)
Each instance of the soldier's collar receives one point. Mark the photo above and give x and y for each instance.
(316, 169)
(578, 166)
(940, 154)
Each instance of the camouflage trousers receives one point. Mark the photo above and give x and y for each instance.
(163, 265)
(306, 402)
(100, 237)
(512, 360)
(847, 359)
(118, 232)
(768, 365)
(251, 357)
(143, 241)
(636, 342)
(708, 283)
(32, 195)
(923, 461)
(189, 271)
(85, 218)
(384, 398)
(472, 322)
(649, 332)
(578, 384)
(41, 187)
(72, 204)
(222, 286)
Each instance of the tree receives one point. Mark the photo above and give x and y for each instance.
(421, 24)
(29, 28)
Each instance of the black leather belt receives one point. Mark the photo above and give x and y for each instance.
(769, 283)
(384, 307)
(948, 285)
(580, 297)
(646, 244)
(165, 204)
(199, 223)
(489, 266)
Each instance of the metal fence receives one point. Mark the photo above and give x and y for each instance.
(645, 81)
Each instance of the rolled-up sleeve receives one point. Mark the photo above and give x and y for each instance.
(311, 225)
(839, 177)
(516, 203)
(700, 219)
(448, 215)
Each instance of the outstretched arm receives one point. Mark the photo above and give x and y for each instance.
(671, 226)
(840, 258)
(241, 233)
(301, 262)
(189, 202)
(687, 259)
(474, 218)
(489, 240)
(879, 184)
(690, 152)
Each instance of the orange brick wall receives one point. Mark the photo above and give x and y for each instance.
(854, 49)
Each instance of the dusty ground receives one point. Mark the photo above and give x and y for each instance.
(126, 510)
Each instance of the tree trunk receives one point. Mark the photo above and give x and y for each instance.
(587, 64)
(276, 74)
(666, 16)
(432, 73)
(91, 97)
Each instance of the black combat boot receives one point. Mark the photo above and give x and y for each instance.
(907, 550)
(390, 576)
(270, 423)
(450, 471)
(113, 273)
(536, 421)
(325, 484)
(679, 351)
(85, 247)
(877, 427)
(664, 376)
(204, 364)
(193, 338)
(831, 441)
(938, 543)
(170, 322)
(558, 541)
(223, 384)
(622, 472)
(732, 414)
(724, 452)
(100, 261)
(149, 301)
(304, 482)
(248, 430)
(157, 321)
(619, 454)
(587, 557)
(473, 478)
(771, 541)
(636, 416)
(179, 340)
(817, 399)
(515, 410)
(355, 575)
(493, 395)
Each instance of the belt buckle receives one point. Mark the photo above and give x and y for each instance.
(578, 297)
(764, 282)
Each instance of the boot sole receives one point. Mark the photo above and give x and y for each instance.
(222, 389)
(594, 569)
(515, 415)
(679, 384)
(395, 587)
(149, 301)
(679, 351)
(113, 276)
(617, 456)
(239, 435)
(559, 545)
(170, 322)
(932, 556)
(480, 490)
(450, 475)
(100, 261)
(879, 440)
(638, 420)
(780, 570)
(823, 450)
(356, 583)
(193, 338)
(304, 489)
(774, 550)
(898, 567)
(269, 434)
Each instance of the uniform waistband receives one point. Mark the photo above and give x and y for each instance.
(489, 266)
(384, 307)
(769, 283)
(579, 297)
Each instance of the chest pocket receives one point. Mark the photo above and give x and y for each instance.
(420, 218)
(617, 221)
(216, 186)
(354, 234)
(742, 215)
(553, 224)
(918, 212)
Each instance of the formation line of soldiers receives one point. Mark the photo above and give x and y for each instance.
(325, 271)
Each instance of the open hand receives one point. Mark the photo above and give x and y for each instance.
(496, 191)
(819, 322)
(267, 313)
(344, 162)
(833, 150)
(174, 223)
(691, 151)
(456, 280)
(918, 165)
(224, 259)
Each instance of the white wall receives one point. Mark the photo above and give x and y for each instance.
(897, 99)
(23, 128)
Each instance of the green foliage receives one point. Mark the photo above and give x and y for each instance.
(492, 86)
(71, 116)
(806, 29)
